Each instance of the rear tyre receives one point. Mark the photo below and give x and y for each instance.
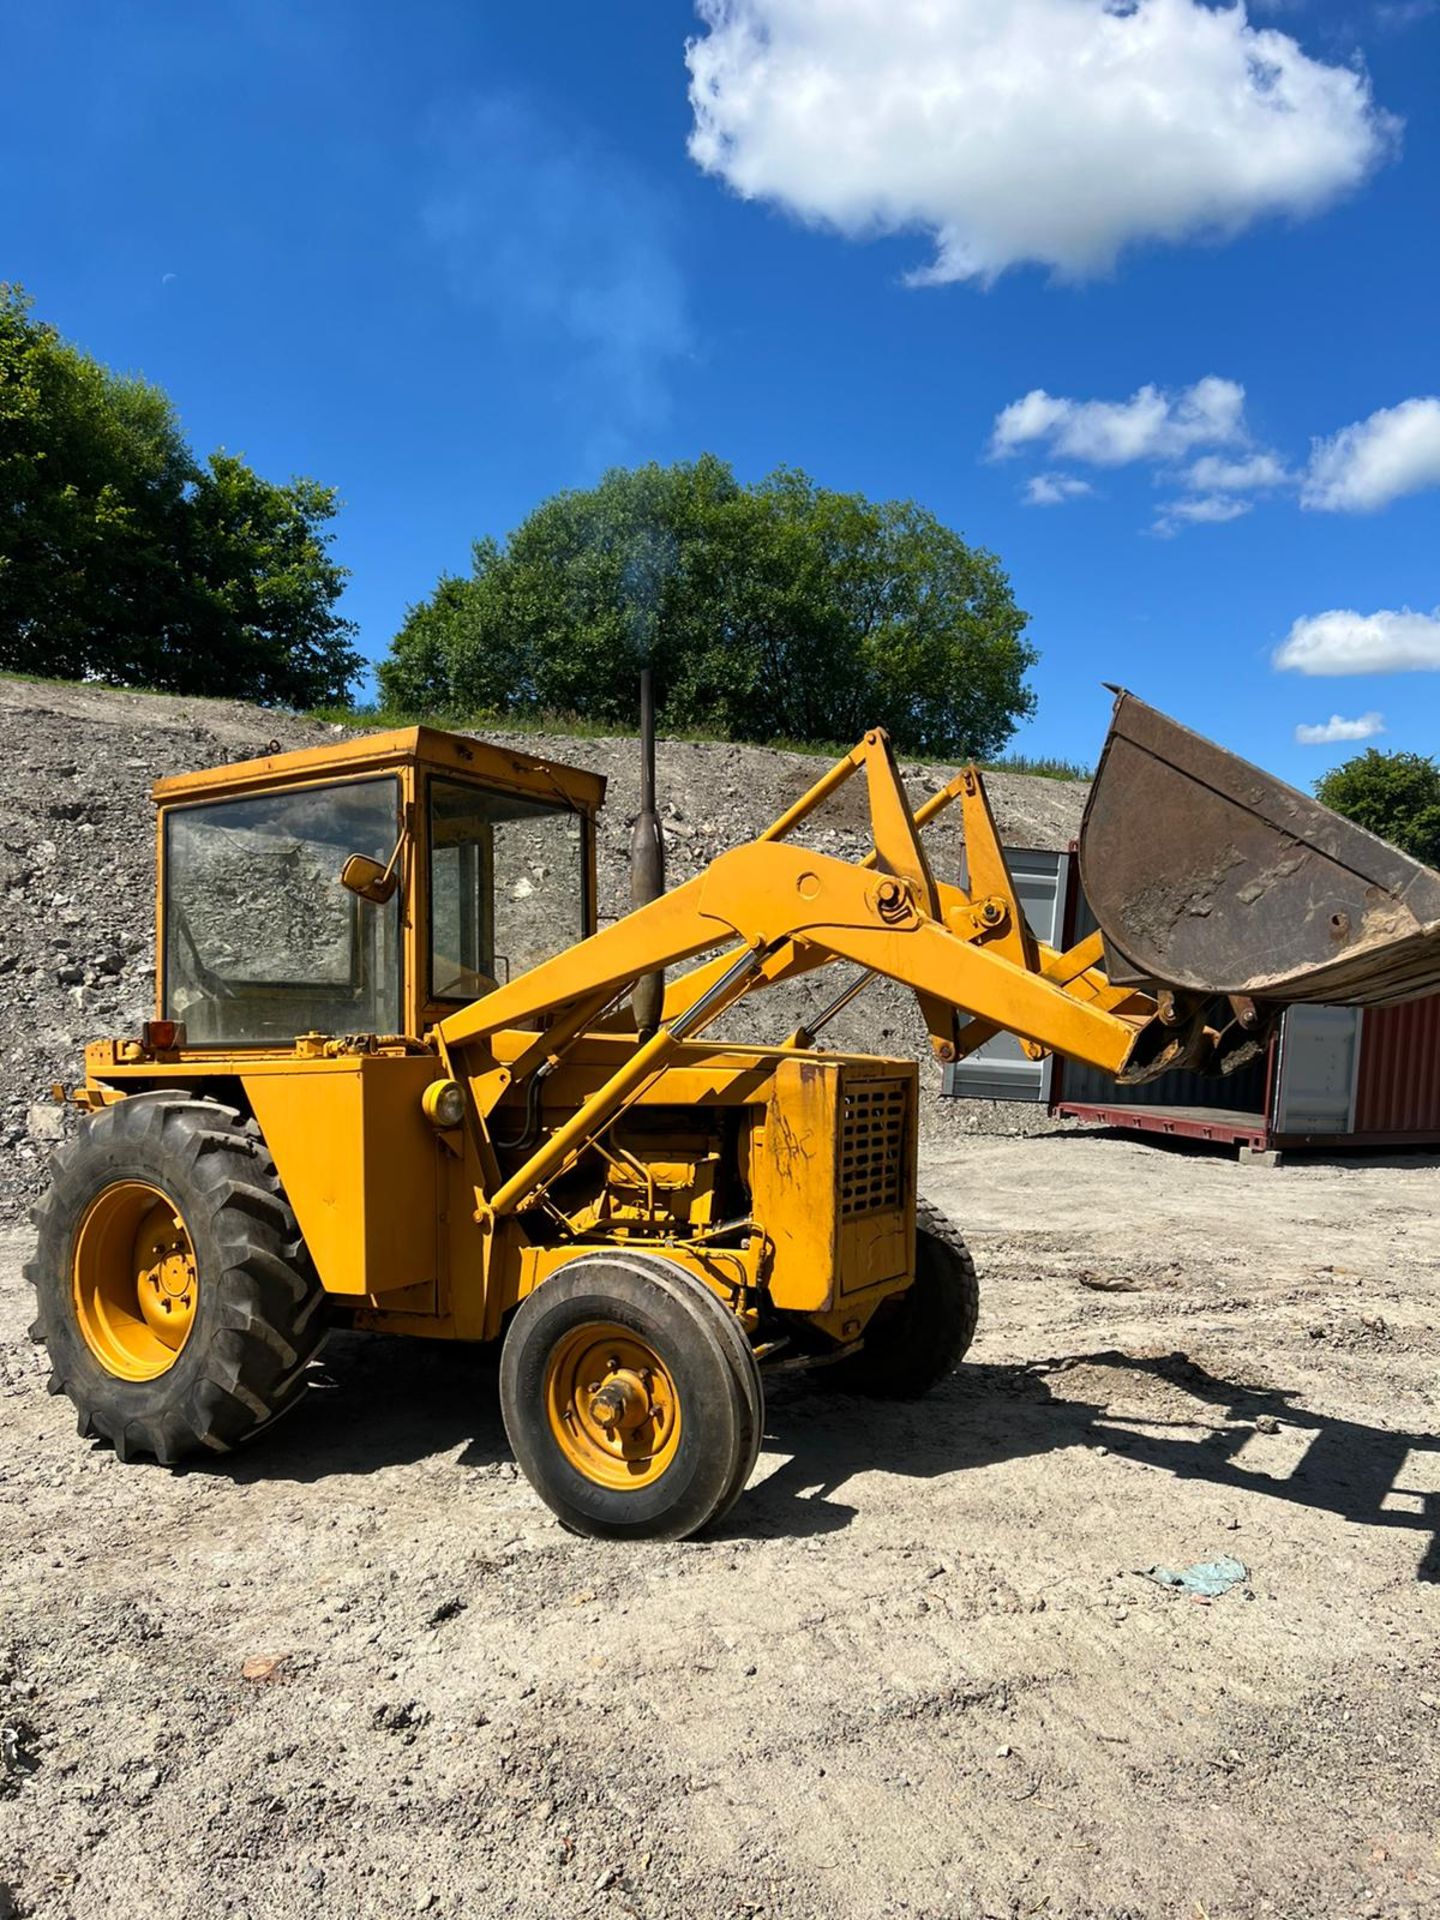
(920, 1338)
(631, 1397)
(176, 1300)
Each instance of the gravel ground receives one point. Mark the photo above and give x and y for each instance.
(920, 1673)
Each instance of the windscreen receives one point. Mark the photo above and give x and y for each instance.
(261, 940)
(508, 880)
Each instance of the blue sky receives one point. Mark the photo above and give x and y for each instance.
(452, 257)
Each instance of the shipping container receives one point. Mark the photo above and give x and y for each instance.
(1331, 1077)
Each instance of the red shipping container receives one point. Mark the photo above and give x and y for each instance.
(1398, 1091)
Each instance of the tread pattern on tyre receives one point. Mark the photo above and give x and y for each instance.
(929, 1219)
(745, 1368)
(259, 1322)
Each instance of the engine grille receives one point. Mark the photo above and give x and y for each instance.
(873, 1147)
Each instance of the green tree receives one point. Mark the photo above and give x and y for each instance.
(124, 560)
(1396, 795)
(779, 610)
(260, 588)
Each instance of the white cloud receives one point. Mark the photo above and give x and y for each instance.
(1054, 489)
(1343, 641)
(1151, 425)
(1396, 15)
(1367, 465)
(1155, 426)
(1362, 468)
(1336, 728)
(1048, 131)
(1255, 473)
(1215, 485)
(1205, 510)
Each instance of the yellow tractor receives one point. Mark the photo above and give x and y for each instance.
(396, 1082)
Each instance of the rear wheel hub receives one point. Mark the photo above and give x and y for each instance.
(134, 1280)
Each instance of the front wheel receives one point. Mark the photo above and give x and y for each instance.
(631, 1397)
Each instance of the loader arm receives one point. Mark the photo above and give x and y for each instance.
(741, 898)
(1202, 939)
(777, 902)
(989, 910)
(777, 910)
(791, 907)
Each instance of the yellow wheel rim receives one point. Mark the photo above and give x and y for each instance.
(612, 1405)
(134, 1280)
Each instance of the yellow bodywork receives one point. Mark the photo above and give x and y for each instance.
(783, 1176)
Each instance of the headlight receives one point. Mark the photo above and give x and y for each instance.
(444, 1103)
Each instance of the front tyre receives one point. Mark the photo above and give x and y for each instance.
(176, 1301)
(631, 1397)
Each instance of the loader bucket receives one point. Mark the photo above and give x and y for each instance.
(1209, 876)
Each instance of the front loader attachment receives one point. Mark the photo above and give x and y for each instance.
(1209, 877)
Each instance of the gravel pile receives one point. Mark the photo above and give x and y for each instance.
(77, 876)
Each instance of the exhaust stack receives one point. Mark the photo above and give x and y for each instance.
(647, 858)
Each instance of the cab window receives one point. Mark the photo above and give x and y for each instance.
(261, 940)
(508, 881)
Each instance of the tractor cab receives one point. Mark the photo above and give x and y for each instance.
(366, 888)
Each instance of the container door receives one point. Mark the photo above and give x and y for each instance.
(999, 1069)
(1319, 1066)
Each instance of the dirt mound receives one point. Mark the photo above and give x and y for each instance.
(77, 869)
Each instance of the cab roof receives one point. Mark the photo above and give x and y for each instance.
(425, 747)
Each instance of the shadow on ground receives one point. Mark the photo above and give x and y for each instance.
(376, 1402)
(380, 1403)
(992, 1413)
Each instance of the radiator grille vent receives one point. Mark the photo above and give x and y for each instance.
(872, 1147)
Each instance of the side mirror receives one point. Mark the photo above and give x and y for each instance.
(368, 880)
